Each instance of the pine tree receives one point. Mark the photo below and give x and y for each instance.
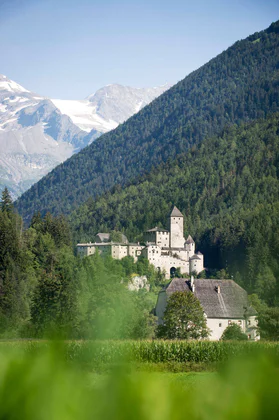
(6, 201)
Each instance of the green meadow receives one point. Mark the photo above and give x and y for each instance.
(78, 380)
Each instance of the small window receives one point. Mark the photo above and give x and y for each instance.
(220, 324)
(229, 322)
(239, 322)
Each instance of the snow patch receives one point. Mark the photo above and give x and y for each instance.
(12, 86)
(83, 114)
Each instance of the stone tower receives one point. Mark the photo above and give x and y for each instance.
(176, 229)
(190, 246)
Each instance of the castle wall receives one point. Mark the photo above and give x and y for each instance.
(196, 265)
(135, 251)
(119, 251)
(150, 237)
(85, 250)
(190, 248)
(162, 239)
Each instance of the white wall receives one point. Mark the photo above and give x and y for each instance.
(196, 265)
(217, 330)
(163, 239)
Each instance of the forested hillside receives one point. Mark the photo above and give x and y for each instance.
(241, 84)
(227, 188)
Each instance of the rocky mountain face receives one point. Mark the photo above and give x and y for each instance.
(38, 133)
(108, 107)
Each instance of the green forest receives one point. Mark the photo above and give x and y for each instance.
(239, 85)
(46, 290)
(228, 190)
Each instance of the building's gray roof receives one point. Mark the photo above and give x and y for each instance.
(231, 302)
(190, 240)
(176, 213)
(157, 229)
(177, 285)
(199, 253)
(103, 236)
(195, 257)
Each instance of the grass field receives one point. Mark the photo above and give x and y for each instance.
(42, 381)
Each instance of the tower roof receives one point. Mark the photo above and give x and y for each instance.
(176, 213)
(157, 229)
(190, 240)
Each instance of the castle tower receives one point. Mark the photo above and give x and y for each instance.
(176, 229)
(190, 246)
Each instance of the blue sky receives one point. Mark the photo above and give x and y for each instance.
(66, 49)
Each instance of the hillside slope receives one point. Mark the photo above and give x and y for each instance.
(228, 190)
(241, 84)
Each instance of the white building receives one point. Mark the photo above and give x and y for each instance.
(167, 250)
(224, 302)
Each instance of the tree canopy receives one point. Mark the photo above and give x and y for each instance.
(183, 318)
(234, 332)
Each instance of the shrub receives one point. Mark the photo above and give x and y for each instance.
(234, 332)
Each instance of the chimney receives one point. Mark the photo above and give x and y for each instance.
(218, 289)
(192, 284)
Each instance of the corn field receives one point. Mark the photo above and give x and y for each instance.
(150, 351)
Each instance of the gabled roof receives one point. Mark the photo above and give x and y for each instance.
(177, 285)
(190, 240)
(104, 237)
(176, 213)
(231, 302)
(195, 257)
(157, 229)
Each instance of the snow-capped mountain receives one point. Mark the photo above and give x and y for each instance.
(108, 107)
(37, 133)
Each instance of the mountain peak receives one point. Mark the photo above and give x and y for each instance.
(10, 86)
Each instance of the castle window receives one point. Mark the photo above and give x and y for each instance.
(229, 322)
(220, 324)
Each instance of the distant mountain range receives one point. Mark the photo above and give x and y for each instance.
(37, 133)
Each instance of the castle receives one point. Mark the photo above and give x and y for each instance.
(167, 250)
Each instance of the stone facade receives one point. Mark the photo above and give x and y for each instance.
(167, 250)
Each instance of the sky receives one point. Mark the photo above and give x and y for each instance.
(67, 49)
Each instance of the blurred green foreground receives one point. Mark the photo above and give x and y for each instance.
(44, 385)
